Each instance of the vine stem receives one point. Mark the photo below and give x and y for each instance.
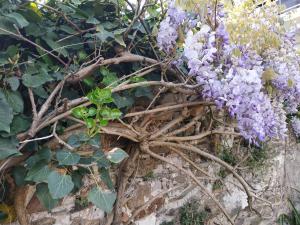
(145, 148)
(211, 157)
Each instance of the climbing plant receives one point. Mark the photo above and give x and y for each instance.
(86, 85)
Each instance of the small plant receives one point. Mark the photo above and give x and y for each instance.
(149, 176)
(292, 219)
(190, 215)
(228, 157)
(217, 185)
(257, 156)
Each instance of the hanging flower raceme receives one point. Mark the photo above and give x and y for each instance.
(239, 78)
(168, 31)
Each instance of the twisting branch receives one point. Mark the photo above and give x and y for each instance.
(145, 148)
(33, 105)
(199, 136)
(211, 157)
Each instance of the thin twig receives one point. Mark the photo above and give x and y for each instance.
(145, 148)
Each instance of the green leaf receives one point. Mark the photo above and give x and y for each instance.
(67, 158)
(35, 81)
(77, 179)
(108, 77)
(8, 147)
(59, 185)
(92, 20)
(119, 39)
(90, 123)
(92, 111)
(6, 114)
(42, 154)
(101, 159)
(116, 155)
(102, 199)
(100, 96)
(14, 99)
(74, 141)
(143, 92)
(55, 46)
(13, 83)
(6, 26)
(105, 176)
(80, 112)
(38, 173)
(95, 141)
(44, 196)
(19, 174)
(110, 114)
(122, 101)
(20, 20)
(19, 124)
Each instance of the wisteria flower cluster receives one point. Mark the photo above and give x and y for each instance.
(257, 88)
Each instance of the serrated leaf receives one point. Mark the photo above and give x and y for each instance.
(102, 199)
(20, 20)
(44, 196)
(59, 185)
(116, 155)
(14, 99)
(8, 147)
(67, 158)
(38, 173)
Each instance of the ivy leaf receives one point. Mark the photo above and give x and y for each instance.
(42, 154)
(21, 21)
(38, 173)
(13, 83)
(8, 147)
(67, 158)
(95, 141)
(102, 199)
(74, 141)
(122, 101)
(35, 81)
(6, 114)
(116, 155)
(105, 176)
(92, 20)
(101, 160)
(19, 124)
(100, 96)
(119, 39)
(19, 174)
(143, 92)
(14, 99)
(44, 196)
(59, 185)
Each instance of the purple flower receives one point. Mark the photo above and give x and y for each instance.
(296, 126)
